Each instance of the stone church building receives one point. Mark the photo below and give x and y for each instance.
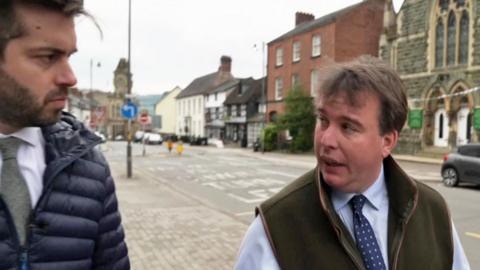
(435, 47)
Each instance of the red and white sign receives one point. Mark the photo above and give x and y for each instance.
(145, 119)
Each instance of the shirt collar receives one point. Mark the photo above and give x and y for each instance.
(31, 135)
(374, 194)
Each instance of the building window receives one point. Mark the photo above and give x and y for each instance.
(443, 4)
(463, 54)
(229, 110)
(439, 44)
(296, 51)
(217, 113)
(316, 45)
(279, 57)
(295, 80)
(313, 82)
(239, 111)
(451, 39)
(278, 88)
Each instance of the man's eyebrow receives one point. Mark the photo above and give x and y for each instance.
(352, 120)
(52, 50)
(320, 110)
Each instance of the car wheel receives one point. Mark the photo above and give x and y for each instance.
(450, 177)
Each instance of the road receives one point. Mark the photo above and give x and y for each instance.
(234, 181)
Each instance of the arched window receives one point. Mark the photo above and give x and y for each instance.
(450, 33)
(443, 4)
(439, 40)
(451, 39)
(463, 48)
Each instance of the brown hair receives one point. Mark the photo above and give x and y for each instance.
(369, 74)
(11, 27)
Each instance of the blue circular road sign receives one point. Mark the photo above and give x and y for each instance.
(129, 110)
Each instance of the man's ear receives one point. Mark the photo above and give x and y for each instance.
(390, 140)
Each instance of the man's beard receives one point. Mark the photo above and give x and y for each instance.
(19, 107)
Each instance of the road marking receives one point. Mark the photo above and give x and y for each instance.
(279, 173)
(476, 235)
(250, 213)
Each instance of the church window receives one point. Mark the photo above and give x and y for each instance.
(439, 44)
(443, 4)
(463, 54)
(451, 33)
(451, 39)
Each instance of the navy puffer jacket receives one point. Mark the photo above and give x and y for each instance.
(76, 224)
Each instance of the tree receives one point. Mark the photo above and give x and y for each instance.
(299, 119)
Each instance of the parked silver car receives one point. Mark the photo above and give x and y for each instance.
(462, 165)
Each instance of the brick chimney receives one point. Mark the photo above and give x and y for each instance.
(225, 64)
(302, 17)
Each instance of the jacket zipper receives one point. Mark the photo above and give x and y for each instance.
(411, 208)
(399, 246)
(21, 251)
(349, 251)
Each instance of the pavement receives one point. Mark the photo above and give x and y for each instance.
(166, 229)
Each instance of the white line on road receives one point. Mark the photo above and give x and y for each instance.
(476, 235)
(250, 213)
(294, 176)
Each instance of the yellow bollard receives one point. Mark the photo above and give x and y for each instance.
(169, 145)
(180, 147)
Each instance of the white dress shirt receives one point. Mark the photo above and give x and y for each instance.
(31, 160)
(256, 253)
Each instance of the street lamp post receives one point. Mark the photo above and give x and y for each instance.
(264, 98)
(129, 92)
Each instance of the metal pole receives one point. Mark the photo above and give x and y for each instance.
(91, 75)
(90, 100)
(129, 91)
(264, 97)
(144, 151)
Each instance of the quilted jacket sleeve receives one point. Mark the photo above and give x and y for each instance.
(111, 251)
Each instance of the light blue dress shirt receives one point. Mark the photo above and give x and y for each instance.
(256, 252)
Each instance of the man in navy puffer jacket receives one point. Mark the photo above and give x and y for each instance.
(58, 208)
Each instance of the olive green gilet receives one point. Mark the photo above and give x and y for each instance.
(306, 233)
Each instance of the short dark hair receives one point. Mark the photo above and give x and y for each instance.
(11, 27)
(369, 74)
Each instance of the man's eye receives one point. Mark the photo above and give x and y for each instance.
(47, 58)
(323, 120)
(348, 128)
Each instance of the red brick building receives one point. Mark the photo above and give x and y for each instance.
(296, 57)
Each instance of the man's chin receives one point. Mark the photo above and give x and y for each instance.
(47, 119)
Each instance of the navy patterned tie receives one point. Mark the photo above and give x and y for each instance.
(366, 241)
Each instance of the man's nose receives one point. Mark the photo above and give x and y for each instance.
(65, 75)
(329, 138)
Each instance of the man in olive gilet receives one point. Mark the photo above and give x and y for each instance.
(357, 209)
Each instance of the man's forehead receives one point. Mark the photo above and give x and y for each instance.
(343, 98)
(48, 28)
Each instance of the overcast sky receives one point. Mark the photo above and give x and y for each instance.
(175, 41)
